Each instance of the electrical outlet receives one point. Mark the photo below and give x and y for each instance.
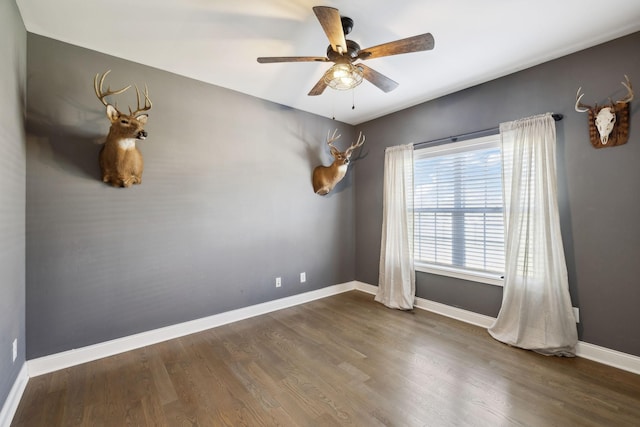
(278, 282)
(15, 349)
(303, 277)
(576, 314)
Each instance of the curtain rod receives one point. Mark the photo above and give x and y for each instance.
(469, 135)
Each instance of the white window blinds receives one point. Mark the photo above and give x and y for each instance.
(458, 218)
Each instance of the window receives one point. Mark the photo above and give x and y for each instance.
(458, 218)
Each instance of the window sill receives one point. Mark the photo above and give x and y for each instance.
(490, 279)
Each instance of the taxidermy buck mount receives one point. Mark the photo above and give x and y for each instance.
(326, 177)
(120, 160)
(608, 126)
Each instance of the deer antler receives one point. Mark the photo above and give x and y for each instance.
(146, 100)
(332, 138)
(355, 145)
(580, 107)
(629, 96)
(102, 95)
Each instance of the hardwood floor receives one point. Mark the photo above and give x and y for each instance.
(342, 360)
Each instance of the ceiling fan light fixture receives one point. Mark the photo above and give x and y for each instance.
(343, 76)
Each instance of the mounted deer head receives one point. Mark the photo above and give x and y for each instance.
(120, 160)
(610, 123)
(326, 177)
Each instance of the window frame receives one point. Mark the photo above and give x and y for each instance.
(489, 141)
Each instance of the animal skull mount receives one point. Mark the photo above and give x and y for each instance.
(326, 177)
(608, 126)
(120, 160)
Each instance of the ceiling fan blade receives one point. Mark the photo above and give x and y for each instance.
(318, 88)
(381, 81)
(329, 18)
(408, 45)
(271, 59)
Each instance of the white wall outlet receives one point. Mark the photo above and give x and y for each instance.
(576, 314)
(15, 349)
(303, 277)
(278, 282)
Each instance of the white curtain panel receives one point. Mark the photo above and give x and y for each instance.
(536, 311)
(396, 282)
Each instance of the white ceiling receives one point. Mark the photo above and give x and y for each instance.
(218, 41)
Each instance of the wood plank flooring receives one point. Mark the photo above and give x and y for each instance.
(340, 361)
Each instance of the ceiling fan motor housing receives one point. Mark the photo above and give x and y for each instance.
(353, 49)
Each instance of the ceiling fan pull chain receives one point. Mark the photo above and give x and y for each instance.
(333, 107)
(353, 98)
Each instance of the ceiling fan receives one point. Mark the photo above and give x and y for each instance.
(344, 74)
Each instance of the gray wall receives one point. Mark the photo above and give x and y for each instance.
(226, 204)
(599, 190)
(13, 48)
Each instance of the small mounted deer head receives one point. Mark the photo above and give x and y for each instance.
(608, 126)
(326, 177)
(120, 160)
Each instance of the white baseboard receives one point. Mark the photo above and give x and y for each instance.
(604, 355)
(455, 313)
(54, 362)
(13, 399)
(439, 308)
(364, 287)
(74, 357)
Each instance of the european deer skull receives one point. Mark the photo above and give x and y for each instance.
(605, 118)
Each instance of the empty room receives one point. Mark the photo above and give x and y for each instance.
(292, 213)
